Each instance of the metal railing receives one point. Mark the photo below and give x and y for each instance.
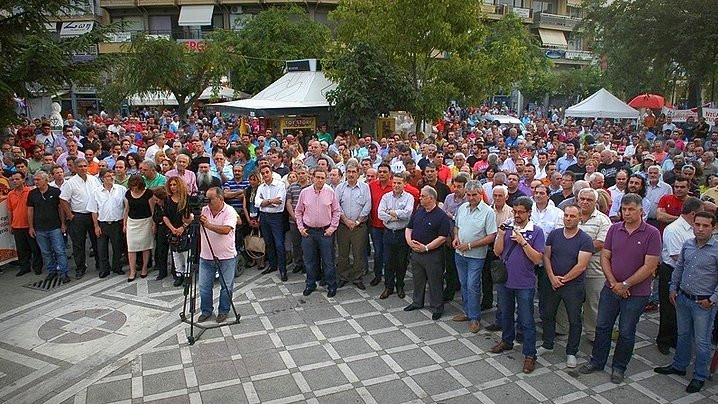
(126, 36)
(555, 20)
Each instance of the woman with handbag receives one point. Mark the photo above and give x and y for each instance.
(251, 214)
(177, 219)
(138, 225)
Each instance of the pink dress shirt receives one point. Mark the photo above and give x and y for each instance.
(189, 178)
(318, 208)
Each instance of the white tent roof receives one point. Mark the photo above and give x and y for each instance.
(165, 98)
(294, 90)
(602, 104)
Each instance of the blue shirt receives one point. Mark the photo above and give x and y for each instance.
(234, 186)
(427, 226)
(697, 270)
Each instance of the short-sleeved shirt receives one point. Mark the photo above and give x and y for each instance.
(596, 227)
(293, 192)
(45, 215)
(473, 225)
(672, 205)
(139, 207)
(628, 252)
(564, 252)
(234, 186)
(17, 205)
(427, 226)
(158, 181)
(520, 269)
(222, 244)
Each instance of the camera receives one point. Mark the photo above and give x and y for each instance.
(507, 227)
(196, 202)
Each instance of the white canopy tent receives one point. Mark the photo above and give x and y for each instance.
(166, 98)
(602, 104)
(296, 92)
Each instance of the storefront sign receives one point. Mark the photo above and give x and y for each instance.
(521, 12)
(299, 122)
(554, 54)
(75, 28)
(578, 55)
(196, 45)
(122, 36)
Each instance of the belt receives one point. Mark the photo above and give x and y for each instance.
(316, 228)
(115, 221)
(80, 213)
(395, 231)
(694, 298)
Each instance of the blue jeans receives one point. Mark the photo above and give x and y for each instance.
(52, 248)
(207, 270)
(377, 239)
(628, 311)
(469, 270)
(573, 295)
(693, 322)
(315, 242)
(508, 301)
(272, 227)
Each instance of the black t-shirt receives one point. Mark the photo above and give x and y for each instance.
(139, 207)
(558, 197)
(471, 161)
(442, 190)
(512, 196)
(576, 169)
(609, 172)
(173, 213)
(45, 215)
(426, 226)
(564, 252)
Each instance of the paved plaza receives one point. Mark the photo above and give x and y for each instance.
(105, 341)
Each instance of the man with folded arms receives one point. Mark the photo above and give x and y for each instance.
(395, 210)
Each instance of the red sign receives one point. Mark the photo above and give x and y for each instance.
(196, 45)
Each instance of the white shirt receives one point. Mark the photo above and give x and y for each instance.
(276, 189)
(152, 150)
(548, 219)
(109, 205)
(616, 193)
(77, 192)
(540, 172)
(674, 235)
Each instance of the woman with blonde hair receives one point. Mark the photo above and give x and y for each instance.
(604, 201)
(177, 219)
(138, 225)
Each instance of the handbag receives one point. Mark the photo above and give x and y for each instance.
(254, 244)
(180, 243)
(498, 271)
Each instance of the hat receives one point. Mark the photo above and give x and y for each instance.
(202, 160)
(649, 157)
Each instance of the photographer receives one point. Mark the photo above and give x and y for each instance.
(219, 221)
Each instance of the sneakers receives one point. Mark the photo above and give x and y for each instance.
(571, 361)
(543, 350)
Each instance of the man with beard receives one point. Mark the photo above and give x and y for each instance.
(205, 179)
(636, 185)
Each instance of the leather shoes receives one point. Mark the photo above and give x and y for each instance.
(160, 276)
(104, 275)
(460, 317)
(529, 364)
(177, 282)
(669, 370)
(412, 307)
(617, 376)
(400, 293)
(297, 269)
(436, 316)
(695, 386)
(308, 291)
(51, 276)
(341, 284)
(268, 271)
(664, 349)
(65, 279)
(493, 327)
(284, 277)
(119, 272)
(501, 347)
(332, 293)
(23, 272)
(474, 327)
(386, 293)
(375, 281)
(221, 318)
(360, 285)
(203, 317)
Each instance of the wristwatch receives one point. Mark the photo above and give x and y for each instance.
(626, 285)
(426, 248)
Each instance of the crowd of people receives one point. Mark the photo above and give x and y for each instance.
(595, 219)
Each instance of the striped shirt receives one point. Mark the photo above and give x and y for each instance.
(234, 186)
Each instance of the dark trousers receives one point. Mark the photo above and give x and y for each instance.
(354, 242)
(377, 240)
(487, 283)
(543, 286)
(79, 228)
(297, 254)
(272, 227)
(395, 259)
(572, 295)
(426, 267)
(111, 234)
(667, 328)
(314, 246)
(162, 248)
(451, 277)
(28, 252)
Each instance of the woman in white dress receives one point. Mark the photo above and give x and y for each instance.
(138, 225)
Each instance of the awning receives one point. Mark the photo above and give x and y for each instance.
(196, 15)
(553, 38)
(75, 28)
(574, 3)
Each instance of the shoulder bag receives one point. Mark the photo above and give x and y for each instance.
(498, 271)
(254, 244)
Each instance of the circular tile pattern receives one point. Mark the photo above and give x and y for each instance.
(82, 325)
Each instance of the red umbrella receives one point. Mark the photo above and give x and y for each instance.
(652, 101)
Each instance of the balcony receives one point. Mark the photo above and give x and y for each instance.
(118, 41)
(526, 14)
(118, 3)
(554, 21)
(493, 12)
(149, 3)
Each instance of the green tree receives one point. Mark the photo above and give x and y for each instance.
(443, 48)
(648, 43)
(367, 85)
(266, 41)
(35, 61)
(153, 65)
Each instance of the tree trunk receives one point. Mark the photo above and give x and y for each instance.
(694, 93)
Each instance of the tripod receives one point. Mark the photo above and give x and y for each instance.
(190, 285)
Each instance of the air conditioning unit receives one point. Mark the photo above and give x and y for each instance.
(235, 10)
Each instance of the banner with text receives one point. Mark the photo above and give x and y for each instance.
(681, 115)
(8, 253)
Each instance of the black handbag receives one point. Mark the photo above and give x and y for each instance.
(180, 243)
(498, 271)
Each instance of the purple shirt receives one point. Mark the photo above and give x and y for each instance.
(519, 267)
(630, 251)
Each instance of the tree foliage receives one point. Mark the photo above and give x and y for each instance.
(647, 43)
(36, 61)
(153, 65)
(269, 39)
(443, 48)
(570, 84)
